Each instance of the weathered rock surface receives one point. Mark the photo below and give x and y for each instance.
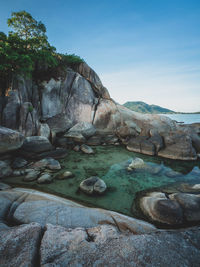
(19, 246)
(93, 185)
(105, 246)
(10, 140)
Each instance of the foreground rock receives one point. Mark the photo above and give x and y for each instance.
(10, 140)
(59, 232)
(26, 206)
(105, 246)
(93, 185)
(19, 245)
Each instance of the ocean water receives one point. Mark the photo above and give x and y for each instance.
(184, 118)
(124, 187)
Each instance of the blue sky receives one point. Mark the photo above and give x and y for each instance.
(143, 50)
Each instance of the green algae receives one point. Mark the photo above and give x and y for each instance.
(110, 164)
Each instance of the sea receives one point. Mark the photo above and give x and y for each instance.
(184, 118)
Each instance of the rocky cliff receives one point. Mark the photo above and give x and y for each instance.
(51, 108)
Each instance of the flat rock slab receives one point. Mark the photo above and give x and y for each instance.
(34, 206)
(19, 245)
(105, 246)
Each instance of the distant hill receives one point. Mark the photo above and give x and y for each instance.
(142, 107)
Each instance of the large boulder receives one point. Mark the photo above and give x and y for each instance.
(178, 145)
(85, 128)
(161, 209)
(10, 140)
(36, 144)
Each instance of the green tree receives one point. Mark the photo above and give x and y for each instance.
(26, 26)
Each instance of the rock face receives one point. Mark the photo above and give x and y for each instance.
(80, 104)
(67, 237)
(10, 140)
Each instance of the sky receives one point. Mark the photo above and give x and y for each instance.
(143, 50)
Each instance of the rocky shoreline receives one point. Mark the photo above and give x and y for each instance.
(40, 124)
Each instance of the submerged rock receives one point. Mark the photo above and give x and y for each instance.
(93, 185)
(65, 175)
(136, 163)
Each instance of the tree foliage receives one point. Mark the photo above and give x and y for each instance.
(26, 51)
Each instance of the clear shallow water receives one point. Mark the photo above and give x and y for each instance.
(110, 164)
(185, 118)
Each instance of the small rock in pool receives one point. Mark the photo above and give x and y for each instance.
(19, 163)
(46, 178)
(48, 163)
(172, 174)
(65, 175)
(87, 149)
(31, 176)
(93, 185)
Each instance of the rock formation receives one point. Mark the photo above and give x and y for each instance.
(59, 232)
(78, 102)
